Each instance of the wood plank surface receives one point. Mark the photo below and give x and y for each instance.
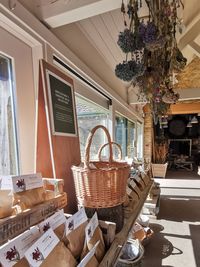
(64, 150)
(12, 226)
(111, 256)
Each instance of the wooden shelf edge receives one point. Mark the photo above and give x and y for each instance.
(120, 239)
(13, 226)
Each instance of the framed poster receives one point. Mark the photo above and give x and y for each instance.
(61, 101)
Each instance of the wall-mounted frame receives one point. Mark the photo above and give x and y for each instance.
(59, 92)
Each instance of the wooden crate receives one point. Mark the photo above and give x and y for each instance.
(12, 226)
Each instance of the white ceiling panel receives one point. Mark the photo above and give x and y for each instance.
(102, 32)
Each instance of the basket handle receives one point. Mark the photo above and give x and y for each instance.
(112, 143)
(89, 142)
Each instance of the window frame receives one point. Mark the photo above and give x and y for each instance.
(13, 95)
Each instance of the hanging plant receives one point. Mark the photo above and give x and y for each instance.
(149, 32)
(129, 41)
(157, 44)
(179, 61)
(129, 70)
(153, 50)
(126, 41)
(159, 108)
(150, 36)
(170, 97)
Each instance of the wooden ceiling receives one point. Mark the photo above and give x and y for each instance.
(90, 28)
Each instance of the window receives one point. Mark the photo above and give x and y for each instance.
(90, 115)
(139, 140)
(8, 142)
(125, 135)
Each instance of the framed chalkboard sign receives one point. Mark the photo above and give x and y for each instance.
(61, 104)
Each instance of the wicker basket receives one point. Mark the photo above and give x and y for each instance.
(100, 184)
(112, 143)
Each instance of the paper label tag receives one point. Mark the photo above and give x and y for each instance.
(53, 184)
(6, 182)
(87, 258)
(142, 172)
(128, 190)
(137, 227)
(76, 220)
(40, 250)
(13, 251)
(140, 168)
(53, 221)
(27, 182)
(133, 184)
(137, 178)
(91, 227)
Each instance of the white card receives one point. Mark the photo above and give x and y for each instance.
(91, 227)
(133, 184)
(76, 220)
(53, 221)
(13, 251)
(27, 182)
(87, 258)
(6, 182)
(128, 190)
(40, 250)
(137, 178)
(137, 227)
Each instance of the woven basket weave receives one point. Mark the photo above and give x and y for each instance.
(100, 184)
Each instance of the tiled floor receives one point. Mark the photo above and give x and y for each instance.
(176, 242)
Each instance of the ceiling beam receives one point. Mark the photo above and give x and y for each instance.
(189, 94)
(185, 108)
(195, 47)
(191, 33)
(61, 13)
(179, 108)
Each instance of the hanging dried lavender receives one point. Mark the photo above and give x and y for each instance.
(151, 44)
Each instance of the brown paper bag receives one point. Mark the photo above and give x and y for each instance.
(75, 240)
(92, 262)
(6, 203)
(60, 232)
(22, 263)
(28, 199)
(60, 256)
(100, 250)
(126, 202)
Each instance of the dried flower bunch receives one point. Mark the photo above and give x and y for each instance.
(160, 152)
(152, 55)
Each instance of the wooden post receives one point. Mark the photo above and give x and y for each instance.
(148, 135)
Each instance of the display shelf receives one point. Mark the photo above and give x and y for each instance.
(152, 204)
(12, 226)
(111, 256)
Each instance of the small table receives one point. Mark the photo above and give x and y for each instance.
(186, 165)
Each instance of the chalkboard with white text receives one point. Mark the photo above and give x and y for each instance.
(61, 105)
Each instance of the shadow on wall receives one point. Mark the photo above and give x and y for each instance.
(160, 247)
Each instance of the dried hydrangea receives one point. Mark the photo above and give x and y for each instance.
(129, 41)
(128, 70)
